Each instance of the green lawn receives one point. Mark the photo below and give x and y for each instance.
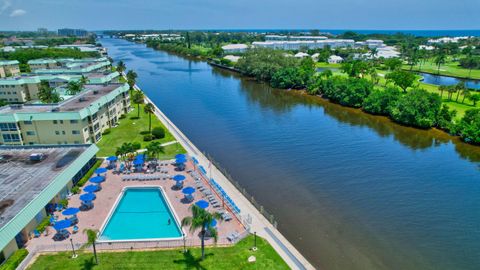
(216, 258)
(130, 130)
(451, 68)
(327, 65)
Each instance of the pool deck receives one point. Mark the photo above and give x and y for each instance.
(112, 189)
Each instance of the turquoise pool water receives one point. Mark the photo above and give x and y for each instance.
(142, 213)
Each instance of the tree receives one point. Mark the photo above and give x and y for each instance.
(469, 126)
(91, 240)
(355, 68)
(475, 98)
(445, 118)
(451, 90)
(417, 108)
(459, 87)
(465, 93)
(373, 52)
(381, 101)
(287, 78)
(74, 87)
(202, 220)
(155, 148)
(149, 109)
(393, 64)
(47, 94)
(138, 98)
(442, 88)
(401, 78)
(440, 60)
(121, 67)
(374, 75)
(131, 78)
(83, 80)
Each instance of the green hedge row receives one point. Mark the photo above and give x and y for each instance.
(87, 176)
(13, 261)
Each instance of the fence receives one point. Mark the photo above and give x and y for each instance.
(252, 200)
(128, 246)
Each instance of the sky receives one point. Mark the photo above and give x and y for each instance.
(240, 14)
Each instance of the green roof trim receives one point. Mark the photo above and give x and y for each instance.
(87, 69)
(41, 61)
(8, 62)
(28, 213)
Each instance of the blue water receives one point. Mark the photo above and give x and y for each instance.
(348, 189)
(446, 80)
(142, 213)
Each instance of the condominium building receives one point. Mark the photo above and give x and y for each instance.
(79, 119)
(25, 88)
(33, 179)
(235, 48)
(42, 64)
(309, 44)
(68, 65)
(293, 38)
(72, 32)
(9, 68)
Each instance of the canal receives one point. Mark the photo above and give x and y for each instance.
(348, 189)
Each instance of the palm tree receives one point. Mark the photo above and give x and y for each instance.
(84, 80)
(47, 94)
(459, 87)
(91, 239)
(374, 75)
(121, 67)
(149, 108)
(373, 52)
(451, 90)
(475, 98)
(74, 87)
(465, 93)
(442, 88)
(202, 220)
(439, 60)
(131, 78)
(138, 98)
(154, 148)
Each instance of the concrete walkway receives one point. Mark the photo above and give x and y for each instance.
(255, 221)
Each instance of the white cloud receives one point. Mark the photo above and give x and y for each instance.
(17, 13)
(4, 5)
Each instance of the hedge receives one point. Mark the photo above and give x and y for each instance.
(13, 261)
(87, 176)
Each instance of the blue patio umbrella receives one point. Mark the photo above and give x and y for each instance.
(91, 188)
(62, 224)
(179, 177)
(202, 204)
(137, 162)
(188, 190)
(181, 160)
(182, 156)
(70, 211)
(86, 197)
(213, 223)
(101, 170)
(112, 158)
(97, 179)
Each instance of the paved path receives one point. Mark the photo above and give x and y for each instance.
(258, 223)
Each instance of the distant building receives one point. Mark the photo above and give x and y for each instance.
(232, 58)
(301, 55)
(334, 59)
(370, 43)
(34, 178)
(293, 38)
(42, 31)
(308, 44)
(235, 48)
(72, 32)
(77, 120)
(9, 68)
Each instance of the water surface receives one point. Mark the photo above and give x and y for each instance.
(447, 80)
(349, 190)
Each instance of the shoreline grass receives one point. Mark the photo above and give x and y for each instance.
(233, 257)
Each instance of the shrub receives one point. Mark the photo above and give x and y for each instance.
(469, 127)
(123, 116)
(42, 225)
(107, 131)
(13, 261)
(148, 138)
(145, 132)
(136, 146)
(75, 190)
(380, 102)
(158, 133)
(134, 118)
(64, 203)
(87, 176)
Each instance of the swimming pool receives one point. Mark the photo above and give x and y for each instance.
(141, 213)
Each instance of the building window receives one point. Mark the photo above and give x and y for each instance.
(61, 121)
(55, 122)
(73, 121)
(8, 127)
(30, 133)
(57, 132)
(75, 132)
(11, 138)
(63, 132)
(27, 122)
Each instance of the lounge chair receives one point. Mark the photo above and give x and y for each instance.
(75, 229)
(36, 233)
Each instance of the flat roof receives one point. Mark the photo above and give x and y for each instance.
(8, 62)
(21, 180)
(91, 94)
(27, 186)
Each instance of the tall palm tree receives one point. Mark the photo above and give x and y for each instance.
(201, 219)
(154, 148)
(74, 87)
(440, 60)
(121, 67)
(84, 80)
(465, 93)
(131, 78)
(91, 240)
(138, 98)
(373, 52)
(451, 90)
(442, 88)
(149, 109)
(459, 87)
